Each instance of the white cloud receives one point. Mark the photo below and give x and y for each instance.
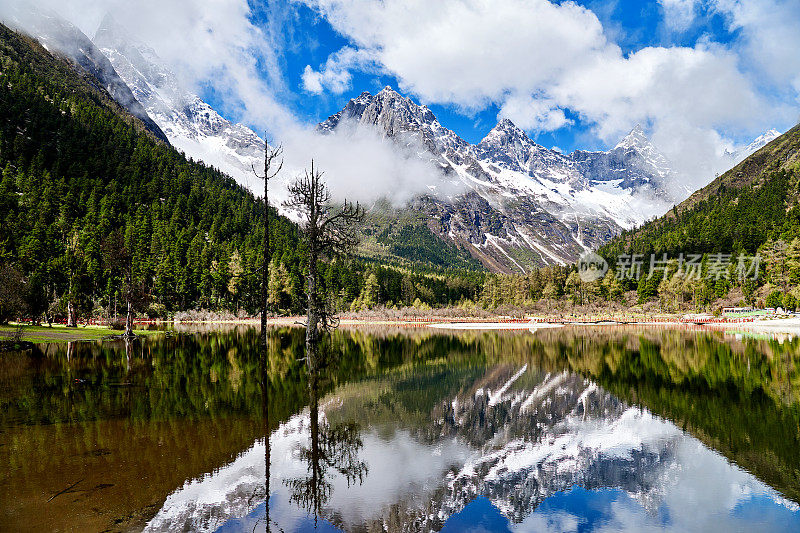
(312, 80)
(335, 74)
(534, 113)
(770, 38)
(468, 52)
(360, 163)
(535, 59)
(679, 14)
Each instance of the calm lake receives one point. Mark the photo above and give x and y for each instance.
(570, 429)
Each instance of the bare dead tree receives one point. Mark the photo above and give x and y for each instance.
(328, 231)
(273, 164)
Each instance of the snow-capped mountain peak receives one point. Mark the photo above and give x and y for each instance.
(506, 132)
(190, 124)
(637, 138)
(758, 143)
(738, 155)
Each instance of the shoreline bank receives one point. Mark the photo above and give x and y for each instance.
(60, 334)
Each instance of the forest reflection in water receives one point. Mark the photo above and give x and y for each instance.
(402, 430)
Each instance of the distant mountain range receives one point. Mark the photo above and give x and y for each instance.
(519, 204)
(523, 205)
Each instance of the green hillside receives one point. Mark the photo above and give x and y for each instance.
(89, 199)
(401, 236)
(740, 210)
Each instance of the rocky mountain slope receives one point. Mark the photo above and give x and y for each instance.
(59, 35)
(521, 205)
(190, 124)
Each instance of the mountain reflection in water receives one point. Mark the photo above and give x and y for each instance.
(576, 429)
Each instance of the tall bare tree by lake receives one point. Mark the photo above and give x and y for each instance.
(273, 164)
(327, 231)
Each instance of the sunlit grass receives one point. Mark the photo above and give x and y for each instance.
(61, 333)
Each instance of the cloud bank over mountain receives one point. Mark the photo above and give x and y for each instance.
(547, 66)
(542, 62)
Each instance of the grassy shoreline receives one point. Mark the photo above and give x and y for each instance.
(60, 333)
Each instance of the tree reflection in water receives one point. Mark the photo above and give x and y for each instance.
(332, 447)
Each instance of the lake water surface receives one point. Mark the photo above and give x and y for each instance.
(571, 429)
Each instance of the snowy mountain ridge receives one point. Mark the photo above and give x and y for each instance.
(523, 205)
(546, 207)
(190, 124)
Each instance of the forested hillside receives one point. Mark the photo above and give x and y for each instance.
(754, 202)
(93, 208)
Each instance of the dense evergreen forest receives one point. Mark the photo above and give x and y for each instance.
(751, 211)
(95, 210)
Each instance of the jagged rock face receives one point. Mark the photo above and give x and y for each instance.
(525, 205)
(59, 35)
(472, 223)
(507, 146)
(634, 161)
(191, 124)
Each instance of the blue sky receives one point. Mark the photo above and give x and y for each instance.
(630, 24)
(703, 77)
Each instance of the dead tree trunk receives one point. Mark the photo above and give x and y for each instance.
(327, 232)
(271, 157)
(71, 321)
(129, 322)
(314, 311)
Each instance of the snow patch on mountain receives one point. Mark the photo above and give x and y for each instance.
(737, 156)
(190, 124)
(60, 36)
